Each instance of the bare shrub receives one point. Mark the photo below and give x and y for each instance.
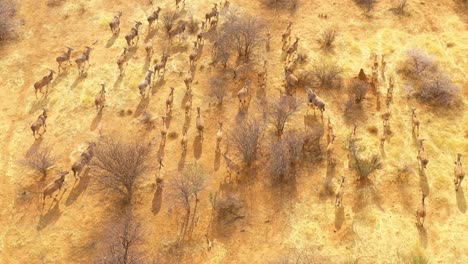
(366, 5)
(40, 160)
(311, 141)
(120, 164)
(193, 25)
(439, 90)
(399, 7)
(290, 5)
(218, 87)
(279, 164)
(7, 20)
(244, 32)
(327, 74)
(305, 77)
(222, 51)
(358, 89)
(302, 57)
(168, 19)
(294, 140)
(280, 111)
(364, 165)
(431, 85)
(184, 190)
(121, 243)
(229, 208)
(327, 37)
(245, 138)
(419, 62)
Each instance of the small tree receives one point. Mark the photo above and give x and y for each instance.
(244, 31)
(280, 111)
(229, 208)
(120, 164)
(7, 22)
(358, 89)
(327, 73)
(327, 37)
(364, 166)
(218, 87)
(185, 189)
(245, 138)
(40, 160)
(121, 245)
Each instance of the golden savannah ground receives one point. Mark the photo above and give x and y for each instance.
(295, 221)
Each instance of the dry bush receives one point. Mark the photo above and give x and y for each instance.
(244, 32)
(439, 90)
(399, 7)
(364, 165)
(419, 62)
(222, 51)
(218, 87)
(327, 74)
(120, 164)
(280, 111)
(312, 142)
(40, 160)
(302, 57)
(168, 19)
(366, 5)
(184, 190)
(327, 37)
(193, 25)
(229, 208)
(290, 5)
(358, 89)
(122, 242)
(245, 138)
(431, 85)
(7, 20)
(295, 142)
(279, 161)
(305, 77)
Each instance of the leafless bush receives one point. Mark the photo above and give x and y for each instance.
(358, 89)
(419, 62)
(364, 165)
(7, 21)
(244, 32)
(328, 74)
(431, 85)
(245, 138)
(294, 140)
(366, 5)
(120, 164)
(327, 37)
(229, 208)
(168, 19)
(290, 5)
(439, 90)
(302, 57)
(279, 163)
(184, 189)
(121, 244)
(40, 160)
(193, 25)
(280, 111)
(222, 51)
(305, 77)
(399, 7)
(218, 87)
(312, 142)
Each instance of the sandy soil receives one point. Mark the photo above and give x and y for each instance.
(376, 224)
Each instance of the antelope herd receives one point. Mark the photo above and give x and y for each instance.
(241, 72)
